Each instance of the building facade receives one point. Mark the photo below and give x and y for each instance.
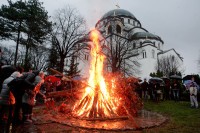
(143, 47)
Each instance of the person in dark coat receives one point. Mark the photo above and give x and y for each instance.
(25, 82)
(28, 99)
(7, 102)
(145, 87)
(175, 90)
(167, 90)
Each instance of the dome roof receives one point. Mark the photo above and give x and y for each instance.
(118, 12)
(148, 35)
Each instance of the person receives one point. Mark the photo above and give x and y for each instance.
(175, 90)
(28, 99)
(151, 91)
(193, 96)
(167, 90)
(193, 82)
(7, 102)
(20, 85)
(144, 87)
(157, 92)
(138, 89)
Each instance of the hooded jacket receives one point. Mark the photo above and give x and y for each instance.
(6, 97)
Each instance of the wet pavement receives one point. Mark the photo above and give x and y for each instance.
(51, 121)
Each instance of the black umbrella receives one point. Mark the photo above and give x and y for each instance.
(155, 79)
(175, 77)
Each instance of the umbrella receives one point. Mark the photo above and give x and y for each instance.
(164, 77)
(155, 79)
(175, 77)
(189, 77)
(187, 83)
(52, 78)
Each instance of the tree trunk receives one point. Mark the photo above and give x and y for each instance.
(17, 45)
(26, 60)
(62, 59)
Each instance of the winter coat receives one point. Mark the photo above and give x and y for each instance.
(144, 86)
(6, 96)
(22, 84)
(29, 95)
(193, 90)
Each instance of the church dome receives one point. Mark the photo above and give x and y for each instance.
(118, 12)
(144, 35)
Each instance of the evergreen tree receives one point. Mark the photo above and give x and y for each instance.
(26, 23)
(53, 61)
(73, 67)
(37, 27)
(12, 21)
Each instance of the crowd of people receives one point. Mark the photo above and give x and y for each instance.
(158, 90)
(18, 90)
(17, 93)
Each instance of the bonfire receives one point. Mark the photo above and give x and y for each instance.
(106, 95)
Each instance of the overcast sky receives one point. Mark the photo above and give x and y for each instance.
(177, 22)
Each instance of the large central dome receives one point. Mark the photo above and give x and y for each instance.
(118, 12)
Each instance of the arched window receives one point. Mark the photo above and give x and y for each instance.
(109, 30)
(134, 45)
(144, 54)
(153, 53)
(122, 20)
(118, 29)
(173, 58)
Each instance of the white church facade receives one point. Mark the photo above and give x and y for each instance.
(148, 48)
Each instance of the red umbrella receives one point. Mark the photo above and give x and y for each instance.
(52, 79)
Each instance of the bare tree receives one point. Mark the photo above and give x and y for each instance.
(121, 55)
(68, 29)
(168, 65)
(39, 58)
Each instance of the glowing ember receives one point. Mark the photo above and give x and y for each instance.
(96, 101)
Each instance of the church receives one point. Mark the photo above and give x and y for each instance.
(129, 47)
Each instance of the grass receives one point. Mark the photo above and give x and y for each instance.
(182, 119)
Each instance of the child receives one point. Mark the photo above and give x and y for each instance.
(193, 95)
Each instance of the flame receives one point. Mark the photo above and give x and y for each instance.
(96, 101)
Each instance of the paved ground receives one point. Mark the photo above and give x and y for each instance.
(56, 128)
(45, 125)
